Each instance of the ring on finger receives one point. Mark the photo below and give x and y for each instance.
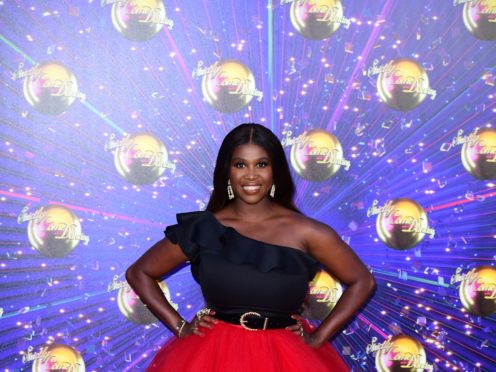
(202, 312)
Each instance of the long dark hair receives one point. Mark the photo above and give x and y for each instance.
(263, 137)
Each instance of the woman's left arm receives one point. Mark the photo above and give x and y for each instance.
(325, 245)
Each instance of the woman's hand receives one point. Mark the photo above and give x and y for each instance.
(311, 339)
(193, 327)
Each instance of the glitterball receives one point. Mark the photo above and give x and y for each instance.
(141, 158)
(316, 19)
(229, 86)
(478, 291)
(139, 20)
(318, 156)
(401, 353)
(133, 309)
(59, 357)
(323, 292)
(402, 224)
(55, 232)
(403, 84)
(479, 156)
(479, 17)
(50, 88)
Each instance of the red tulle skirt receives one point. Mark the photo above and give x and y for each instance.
(231, 348)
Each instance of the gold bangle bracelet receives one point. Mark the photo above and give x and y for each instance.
(180, 327)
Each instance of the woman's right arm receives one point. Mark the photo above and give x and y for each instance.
(142, 276)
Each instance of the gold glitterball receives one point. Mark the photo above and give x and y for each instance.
(478, 291)
(51, 88)
(58, 357)
(479, 17)
(138, 20)
(402, 224)
(323, 292)
(317, 157)
(316, 19)
(133, 309)
(402, 353)
(403, 84)
(479, 156)
(55, 232)
(141, 158)
(228, 86)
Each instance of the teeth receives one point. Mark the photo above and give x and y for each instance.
(251, 188)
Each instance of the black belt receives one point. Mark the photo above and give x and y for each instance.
(254, 321)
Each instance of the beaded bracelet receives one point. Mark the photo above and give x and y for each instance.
(180, 327)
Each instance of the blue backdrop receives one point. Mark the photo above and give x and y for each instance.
(78, 76)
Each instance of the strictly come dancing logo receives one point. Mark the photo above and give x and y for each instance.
(227, 85)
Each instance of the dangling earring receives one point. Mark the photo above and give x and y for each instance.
(230, 193)
(273, 190)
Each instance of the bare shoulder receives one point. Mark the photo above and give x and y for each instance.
(293, 219)
(284, 227)
(316, 235)
(310, 226)
(309, 230)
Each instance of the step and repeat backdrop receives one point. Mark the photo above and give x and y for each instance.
(113, 111)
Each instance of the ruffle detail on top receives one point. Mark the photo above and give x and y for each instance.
(200, 233)
(242, 250)
(195, 232)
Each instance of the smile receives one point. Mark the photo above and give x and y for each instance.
(251, 188)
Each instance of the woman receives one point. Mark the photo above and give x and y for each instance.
(253, 254)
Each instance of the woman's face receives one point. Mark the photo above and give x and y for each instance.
(250, 173)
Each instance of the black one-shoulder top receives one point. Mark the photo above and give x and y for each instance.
(237, 273)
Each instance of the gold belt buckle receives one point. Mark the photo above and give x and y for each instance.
(243, 320)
